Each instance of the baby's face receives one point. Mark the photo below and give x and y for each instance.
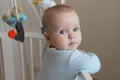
(65, 32)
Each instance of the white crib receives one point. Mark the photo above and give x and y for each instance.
(7, 65)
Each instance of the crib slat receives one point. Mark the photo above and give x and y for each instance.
(1, 63)
(63, 1)
(22, 61)
(40, 50)
(31, 59)
(8, 59)
(85, 75)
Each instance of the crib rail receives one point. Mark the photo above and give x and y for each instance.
(8, 57)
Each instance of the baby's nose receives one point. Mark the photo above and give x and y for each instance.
(71, 36)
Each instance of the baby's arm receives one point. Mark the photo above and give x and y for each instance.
(85, 61)
(91, 63)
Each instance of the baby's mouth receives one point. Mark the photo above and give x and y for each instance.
(72, 43)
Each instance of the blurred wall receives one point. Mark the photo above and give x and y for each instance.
(100, 24)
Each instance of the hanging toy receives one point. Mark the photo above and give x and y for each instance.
(17, 34)
(36, 1)
(12, 33)
(20, 32)
(11, 17)
(42, 5)
(15, 19)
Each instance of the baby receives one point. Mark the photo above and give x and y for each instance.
(61, 60)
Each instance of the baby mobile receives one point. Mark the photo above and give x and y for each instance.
(15, 19)
(43, 5)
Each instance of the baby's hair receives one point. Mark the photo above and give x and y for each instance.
(50, 12)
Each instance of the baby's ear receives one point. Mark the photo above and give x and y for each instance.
(47, 38)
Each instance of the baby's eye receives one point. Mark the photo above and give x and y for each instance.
(76, 29)
(63, 32)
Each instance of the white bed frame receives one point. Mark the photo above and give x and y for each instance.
(7, 59)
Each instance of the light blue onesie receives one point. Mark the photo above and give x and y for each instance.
(65, 65)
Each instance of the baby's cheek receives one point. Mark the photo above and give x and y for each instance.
(61, 45)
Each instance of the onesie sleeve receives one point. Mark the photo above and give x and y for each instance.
(88, 62)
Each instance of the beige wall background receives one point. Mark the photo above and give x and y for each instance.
(100, 23)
